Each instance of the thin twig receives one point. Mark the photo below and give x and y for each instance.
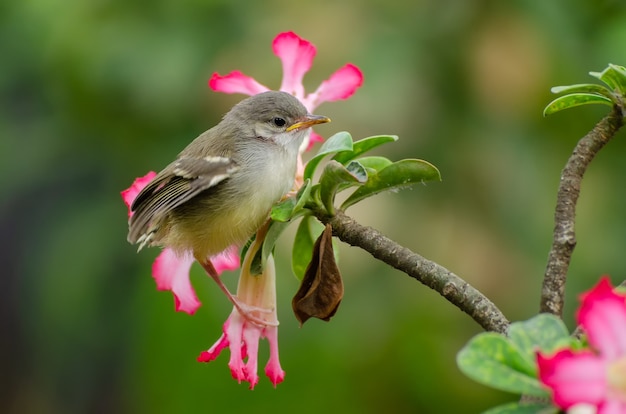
(450, 286)
(564, 241)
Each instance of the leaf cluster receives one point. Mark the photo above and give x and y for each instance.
(346, 170)
(614, 77)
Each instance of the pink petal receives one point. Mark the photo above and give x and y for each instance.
(296, 55)
(234, 332)
(214, 351)
(313, 139)
(226, 260)
(273, 369)
(236, 82)
(612, 406)
(574, 377)
(131, 192)
(602, 314)
(251, 337)
(341, 85)
(171, 272)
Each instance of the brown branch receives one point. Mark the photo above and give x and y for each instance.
(564, 241)
(450, 286)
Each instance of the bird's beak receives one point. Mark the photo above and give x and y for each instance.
(308, 121)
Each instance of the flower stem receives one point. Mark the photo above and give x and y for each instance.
(564, 239)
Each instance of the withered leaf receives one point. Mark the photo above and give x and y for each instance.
(321, 290)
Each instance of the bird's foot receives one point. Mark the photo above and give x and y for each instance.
(247, 311)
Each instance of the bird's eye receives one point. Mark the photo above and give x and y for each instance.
(279, 122)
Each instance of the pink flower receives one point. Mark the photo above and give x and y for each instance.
(257, 294)
(254, 314)
(594, 377)
(296, 55)
(171, 271)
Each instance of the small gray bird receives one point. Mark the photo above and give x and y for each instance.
(222, 186)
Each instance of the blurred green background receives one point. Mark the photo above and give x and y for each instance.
(95, 93)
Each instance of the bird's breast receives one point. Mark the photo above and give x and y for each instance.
(234, 210)
(264, 180)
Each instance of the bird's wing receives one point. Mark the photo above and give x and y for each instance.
(176, 184)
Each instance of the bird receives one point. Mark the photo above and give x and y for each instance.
(220, 189)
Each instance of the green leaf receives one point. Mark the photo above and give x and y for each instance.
(273, 233)
(289, 208)
(621, 70)
(620, 77)
(313, 201)
(591, 88)
(364, 145)
(341, 141)
(614, 76)
(491, 359)
(398, 175)
(303, 243)
(259, 260)
(375, 163)
(336, 177)
(544, 332)
(519, 408)
(283, 211)
(575, 99)
(302, 196)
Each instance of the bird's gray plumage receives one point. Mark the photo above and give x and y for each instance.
(222, 185)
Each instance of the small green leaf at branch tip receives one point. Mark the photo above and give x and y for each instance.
(575, 99)
(520, 408)
(620, 71)
(584, 88)
(489, 358)
(614, 76)
(341, 141)
(362, 146)
(337, 177)
(398, 175)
